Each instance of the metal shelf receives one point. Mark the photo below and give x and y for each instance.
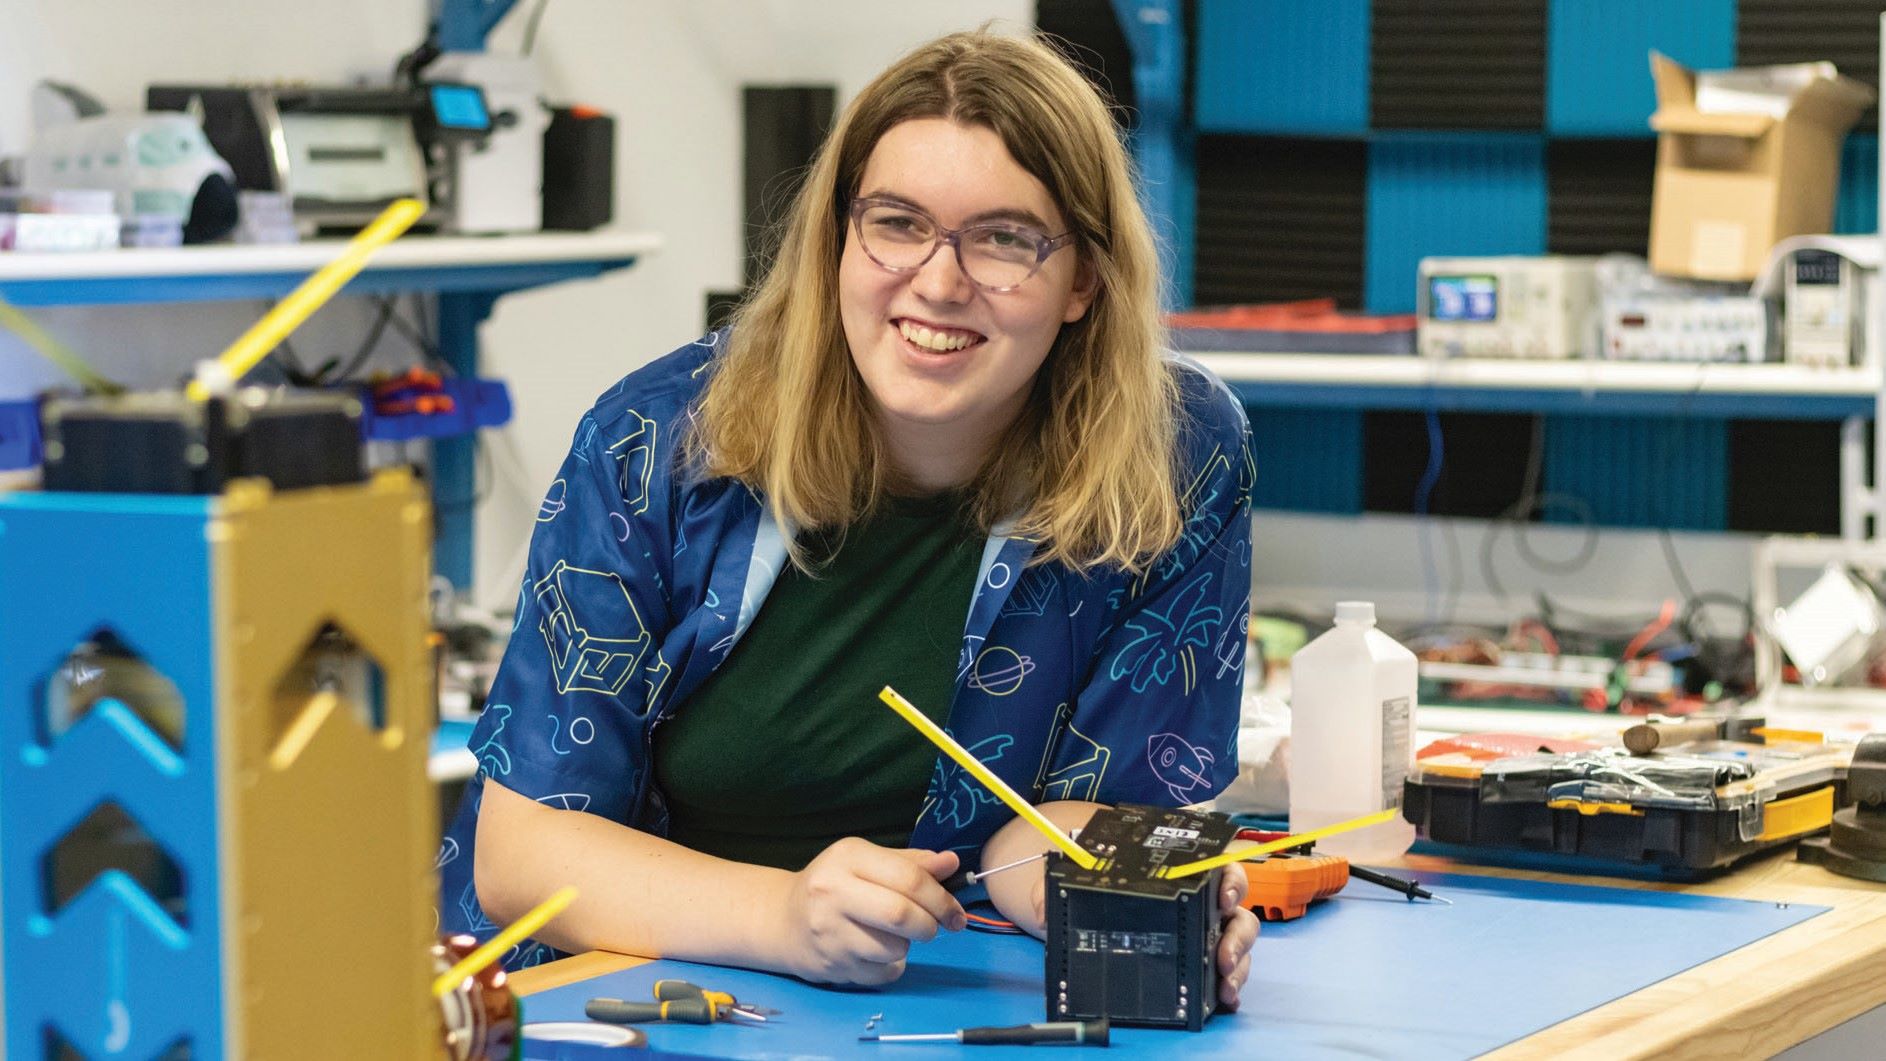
(468, 272)
(217, 272)
(1611, 388)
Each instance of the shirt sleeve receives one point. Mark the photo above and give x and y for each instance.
(562, 724)
(1157, 719)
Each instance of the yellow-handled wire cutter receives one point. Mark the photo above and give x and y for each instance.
(678, 1001)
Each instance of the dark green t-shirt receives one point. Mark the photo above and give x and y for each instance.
(786, 748)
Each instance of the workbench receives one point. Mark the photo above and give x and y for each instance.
(1751, 1002)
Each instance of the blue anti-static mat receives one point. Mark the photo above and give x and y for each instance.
(1366, 973)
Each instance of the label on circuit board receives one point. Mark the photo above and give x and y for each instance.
(1096, 941)
(1167, 838)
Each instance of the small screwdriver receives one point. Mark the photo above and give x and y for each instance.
(1085, 1033)
(963, 878)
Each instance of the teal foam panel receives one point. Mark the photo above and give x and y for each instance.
(1283, 66)
(1308, 460)
(1448, 194)
(1856, 208)
(1639, 471)
(1597, 58)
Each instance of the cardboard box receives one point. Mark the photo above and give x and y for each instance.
(1730, 184)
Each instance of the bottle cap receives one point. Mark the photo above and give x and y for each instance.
(1355, 611)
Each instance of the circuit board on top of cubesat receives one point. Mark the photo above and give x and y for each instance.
(1126, 942)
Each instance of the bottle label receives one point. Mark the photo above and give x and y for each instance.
(1395, 715)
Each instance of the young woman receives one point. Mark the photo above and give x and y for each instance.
(941, 448)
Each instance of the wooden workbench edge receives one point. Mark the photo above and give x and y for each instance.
(1751, 1002)
(566, 971)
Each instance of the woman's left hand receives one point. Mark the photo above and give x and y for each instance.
(1239, 936)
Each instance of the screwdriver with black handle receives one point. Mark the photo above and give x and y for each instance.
(1077, 1032)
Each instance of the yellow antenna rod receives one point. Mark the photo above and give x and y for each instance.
(983, 774)
(266, 334)
(470, 964)
(53, 350)
(1244, 853)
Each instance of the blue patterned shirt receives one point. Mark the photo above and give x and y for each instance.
(1087, 686)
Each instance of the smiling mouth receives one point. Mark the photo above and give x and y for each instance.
(938, 340)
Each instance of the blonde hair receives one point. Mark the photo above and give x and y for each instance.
(1089, 469)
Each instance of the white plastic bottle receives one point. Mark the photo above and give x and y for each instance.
(1352, 706)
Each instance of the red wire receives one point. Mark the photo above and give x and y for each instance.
(1542, 633)
(1649, 632)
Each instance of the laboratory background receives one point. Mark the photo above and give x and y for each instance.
(1558, 326)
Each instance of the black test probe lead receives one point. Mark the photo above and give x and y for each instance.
(1411, 889)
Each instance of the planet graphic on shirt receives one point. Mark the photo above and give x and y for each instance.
(553, 502)
(999, 671)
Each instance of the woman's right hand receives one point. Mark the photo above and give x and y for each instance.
(852, 913)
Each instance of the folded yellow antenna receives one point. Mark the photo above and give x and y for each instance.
(983, 774)
(518, 930)
(53, 350)
(1243, 853)
(1065, 842)
(266, 334)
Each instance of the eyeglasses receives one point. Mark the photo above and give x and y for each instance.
(996, 257)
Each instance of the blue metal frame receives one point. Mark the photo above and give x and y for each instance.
(111, 969)
(464, 24)
(455, 460)
(1162, 141)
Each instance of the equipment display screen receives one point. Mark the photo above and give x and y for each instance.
(1463, 298)
(460, 107)
(1816, 267)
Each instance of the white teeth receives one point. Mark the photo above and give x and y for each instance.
(942, 342)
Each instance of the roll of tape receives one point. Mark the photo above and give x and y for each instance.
(575, 1031)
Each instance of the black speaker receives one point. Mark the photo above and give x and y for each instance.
(784, 127)
(579, 169)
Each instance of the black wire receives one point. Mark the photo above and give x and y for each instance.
(414, 335)
(287, 359)
(1518, 516)
(425, 315)
(354, 364)
(406, 71)
(1456, 571)
(1693, 606)
(1535, 502)
(485, 469)
(1670, 558)
(530, 27)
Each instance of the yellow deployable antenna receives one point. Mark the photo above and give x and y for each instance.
(266, 334)
(1243, 853)
(1015, 802)
(53, 350)
(515, 933)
